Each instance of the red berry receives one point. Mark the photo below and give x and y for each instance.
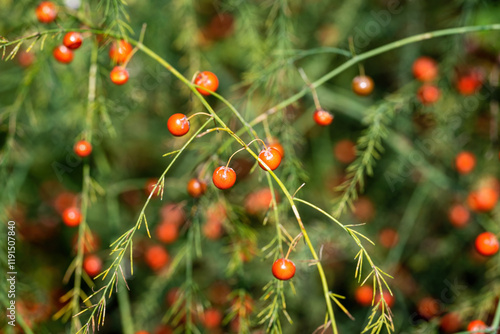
(120, 51)
(276, 145)
(345, 151)
(157, 257)
(259, 201)
(323, 117)
(425, 69)
(178, 124)
(271, 157)
(211, 318)
(428, 307)
(468, 85)
(150, 186)
(62, 54)
(428, 94)
(465, 162)
(207, 81)
(196, 188)
(92, 265)
(83, 148)
(46, 12)
(283, 269)
(72, 40)
(72, 217)
(25, 58)
(451, 323)
(476, 325)
(389, 299)
(224, 177)
(364, 295)
(142, 332)
(173, 213)
(483, 200)
(388, 237)
(487, 244)
(362, 85)
(167, 232)
(458, 215)
(119, 75)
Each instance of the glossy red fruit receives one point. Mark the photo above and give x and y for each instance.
(196, 188)
(207, 81)
(46, 12)
(276, 145)
(119, 75)
(271, 157)
(428, 94)
(487, 244)
(283, 269)
(458, 215)
(465, 162)
(211, 318)
(425, 69)
(62, 54)
(82, 148)
(157, 257)
(92, 264)
(73, 40)
(224, 177)
(362, 85)
(72, 217)
(483, 200)
(476, 325)
(364, 295)
(167, 232)
(178, 124)
(120, 51)
(323, 117)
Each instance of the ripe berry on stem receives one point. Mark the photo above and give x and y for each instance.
(72, 217)
(119, 75)
(276, 145)
(207, 81)
(323, 117)
(425, 69)
(487, 244)
(46, 12)
(120, 51)
(62, 54)
(362, 85)
(196, 188)
(224, 177)
(283, 269)
(178, 124)
(83, 148)
(476, 325)
(73, 40)
(271, 157)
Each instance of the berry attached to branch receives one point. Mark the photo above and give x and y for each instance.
(46, 12)
(323, 117)
(283, 269)
(271, 157)
(362, 85)
(224, 177)
(119, 75)
(83, 148)
(73, 40)
(207, 81)
(178, 124)
(62, 54)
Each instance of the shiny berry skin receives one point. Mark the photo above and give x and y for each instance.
(364, 295)
(119, 75)
(120, 51)
(476, 325)
(425, 69)
(271, 157)
(207, 81)
(72, 217)
(73, 40)
(465, 162)
(178, 124)
(487, 244)
(157, 257)
(92, 265)
(224, 177)
(196, 188)
(362, 85)
(62, 54)
(428, 94)
(83, 148)
(323, 117)
(283, 269)
(46, 12)
(276, 145)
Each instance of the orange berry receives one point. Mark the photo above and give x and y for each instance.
(428, 94)
(207, 81)
(425, 69)
(362, 85)
(157, 257)
(62, 54)
(465, 162)
(458, 215)
(388, 237)
(323, 117)
(487, 244)
(196, 188)
(120, 51)
(72, 217)
(92, 264)
(428, 307)
(451, 323)
(364, 295)
(389, 299)
(211, 318)
(83, 148)
(46, 12)
(476, 325)
(345, 151)
(73, 40)
(483, 200)
(167, 232)
(119, 75)
(277, 146)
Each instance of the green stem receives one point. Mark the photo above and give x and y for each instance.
(125, 311)
(496, 320)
